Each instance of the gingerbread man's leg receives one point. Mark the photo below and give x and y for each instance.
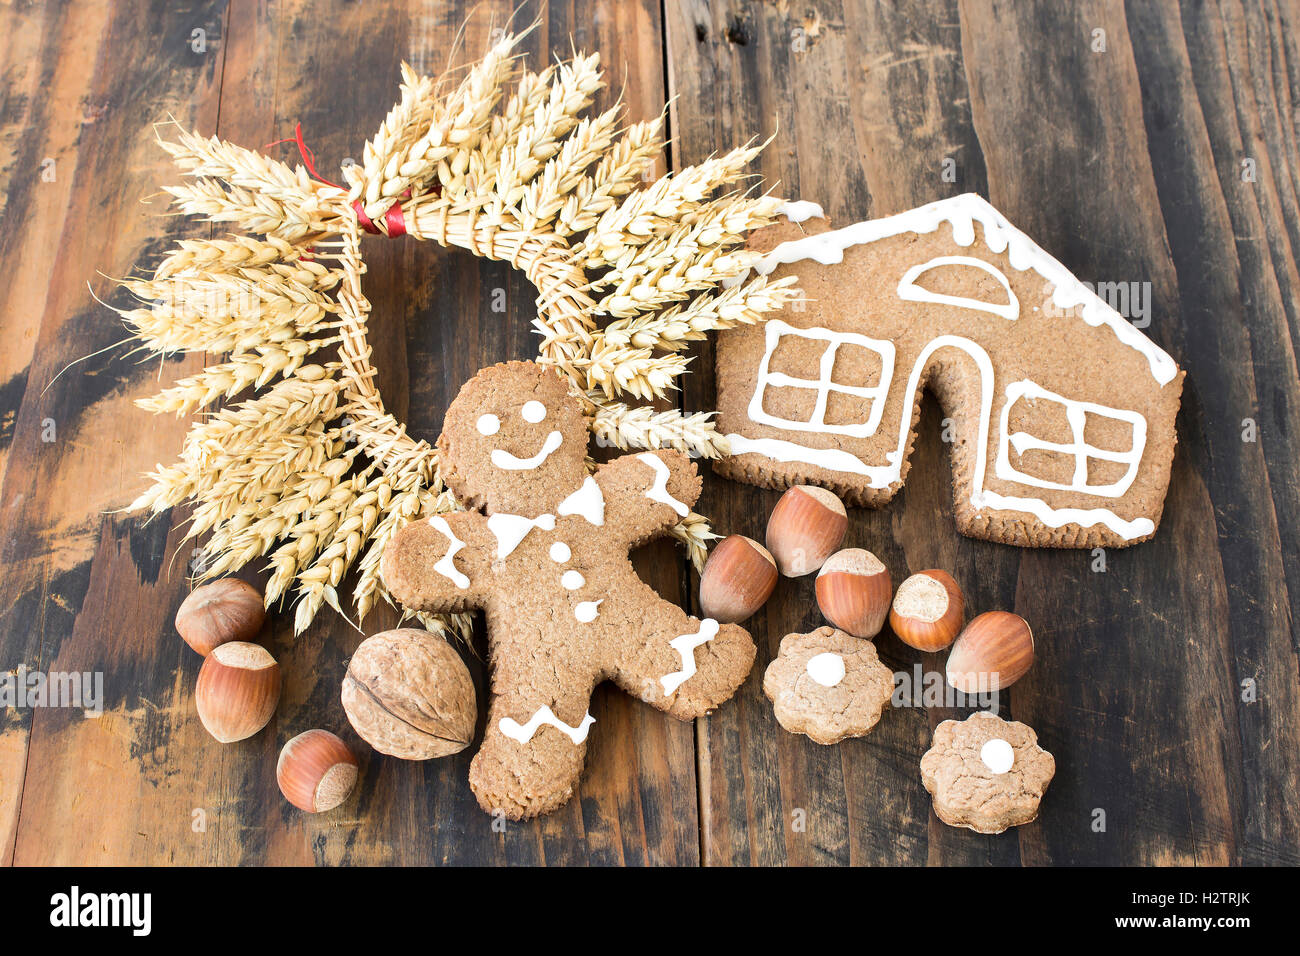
(535, 742)
(679, 663)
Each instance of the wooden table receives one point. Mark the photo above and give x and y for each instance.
(1141, 142)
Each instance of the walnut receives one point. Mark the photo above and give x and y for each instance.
(408, 694)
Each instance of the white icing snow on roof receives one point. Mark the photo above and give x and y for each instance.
(962, 212)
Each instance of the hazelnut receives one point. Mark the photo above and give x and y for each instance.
(238, 688)
(316, 771)
(805, 528)
(928, 610)
(223, 611)
(409, 695)
(738, 578)
(853, 589)
(993, 652)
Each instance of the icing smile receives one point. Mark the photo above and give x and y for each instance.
(508, 462)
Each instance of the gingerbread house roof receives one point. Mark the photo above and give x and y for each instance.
(962, 213)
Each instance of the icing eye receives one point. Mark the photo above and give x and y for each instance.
(533, 412)
(488, 425)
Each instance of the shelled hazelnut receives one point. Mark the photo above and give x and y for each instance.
(928, 610)
(805, 528)
(220, 612)
(237, 690)
(316, 771)
(853, 590)
(737, 580)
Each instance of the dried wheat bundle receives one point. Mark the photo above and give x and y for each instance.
(307, 470)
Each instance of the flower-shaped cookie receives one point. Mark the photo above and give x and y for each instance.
(986, 773)
(828, 685)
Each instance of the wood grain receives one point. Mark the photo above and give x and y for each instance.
(77, 445)
(1138, 684)
(1162, 151)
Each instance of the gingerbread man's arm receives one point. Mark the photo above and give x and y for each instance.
(647, 493)
(440, 563)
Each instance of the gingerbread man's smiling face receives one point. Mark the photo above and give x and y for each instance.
(514, 441)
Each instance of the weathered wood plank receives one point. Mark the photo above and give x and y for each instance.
(1136, 686)
(870, 108)
(1167, 686)
(1215, 99)
(76, 448)
(1160, 788)
(43, 107)
(434, 326)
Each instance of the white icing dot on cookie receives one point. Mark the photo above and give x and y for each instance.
(560, 552)
(586, 611)
(533, 412)
(826, 669)
(488, 424)
(997, 755)
(572, 580)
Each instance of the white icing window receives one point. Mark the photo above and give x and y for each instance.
(1008, 308)
(1076, 414)
(823, 386)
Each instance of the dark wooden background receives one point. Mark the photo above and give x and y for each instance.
(1122, 136)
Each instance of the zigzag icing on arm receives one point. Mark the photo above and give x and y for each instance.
(544, 715)
(659, 490)
(446, 565)
(685, 646)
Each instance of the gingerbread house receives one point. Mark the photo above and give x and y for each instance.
(1061, 412)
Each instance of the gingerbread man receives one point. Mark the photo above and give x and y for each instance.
(545, 556)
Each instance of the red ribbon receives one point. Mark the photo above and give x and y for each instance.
(367, 223)
(393, 218)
